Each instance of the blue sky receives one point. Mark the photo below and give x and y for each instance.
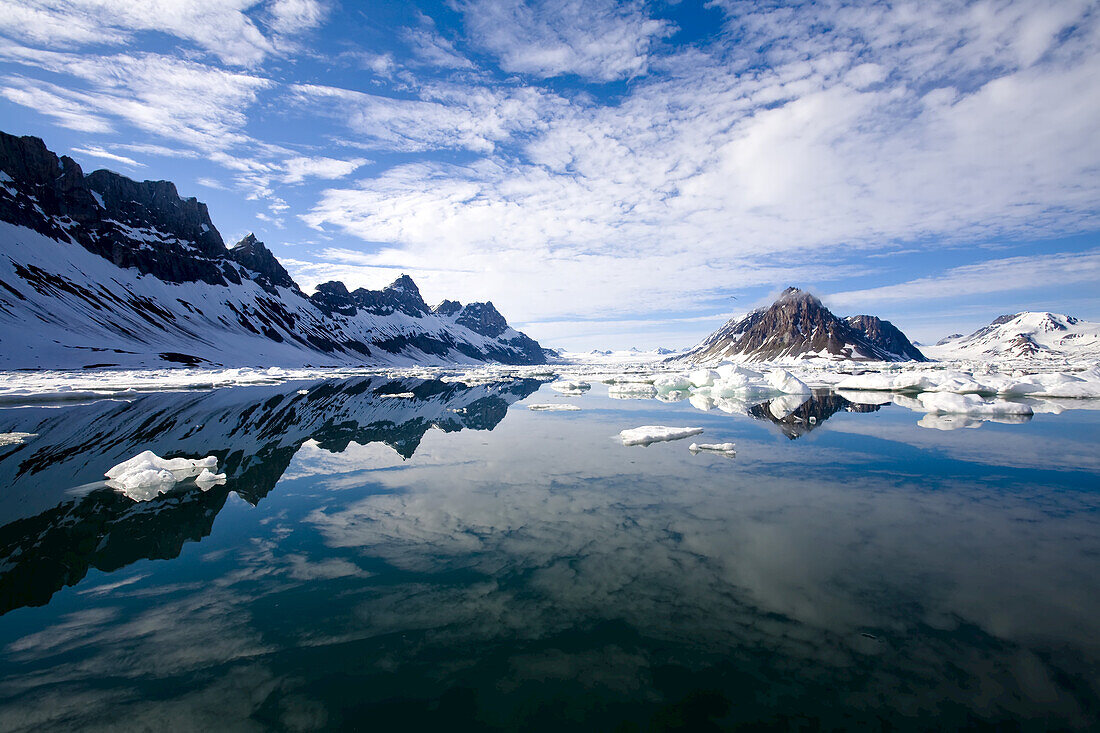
(608, 174)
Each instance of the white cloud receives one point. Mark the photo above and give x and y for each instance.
(473, 118)
(722, 171)
(995, 276)
(291, 17)
(433, 49)
(300, 168)
(596, 39)
(195, 104)
(98, 152)
(221, 28)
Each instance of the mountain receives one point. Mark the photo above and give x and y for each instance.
(798, 325)
(101, 270)
(1030, 334)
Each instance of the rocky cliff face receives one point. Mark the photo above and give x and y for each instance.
(798, 325)
(885, 336)
(72, 291)
(253, 255)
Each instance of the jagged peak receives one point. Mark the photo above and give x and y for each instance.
(447, 308)
(404, 282)
(334, 287)
(249, 240)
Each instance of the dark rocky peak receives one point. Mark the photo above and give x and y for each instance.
(251, 253)
(400, 295)
(482, 318)
(157, 203)
(797, 323)
(143, 225)
(406, 297)
(333, 297)
(885, 336)
(447, 308)
(36, 185)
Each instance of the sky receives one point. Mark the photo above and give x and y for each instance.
(608, 174)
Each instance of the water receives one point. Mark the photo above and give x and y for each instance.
(454, 560)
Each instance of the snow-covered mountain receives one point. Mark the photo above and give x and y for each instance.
(98, 269)
(798, 325)
(1027, 335)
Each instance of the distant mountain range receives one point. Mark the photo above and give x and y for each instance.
(1027, 335)
(798, 325)
(100, 270)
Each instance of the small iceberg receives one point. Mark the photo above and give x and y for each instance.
(554, 407)
(147, 475)
(570, 387)
(724, 448)
(783, 381)
(647, 434)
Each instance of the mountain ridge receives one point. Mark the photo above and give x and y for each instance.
(115, 272)
(1025, 335)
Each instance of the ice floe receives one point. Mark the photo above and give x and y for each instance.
(553, 407)
(146, 475)
(14, 438)
(647, 434)
(713, 447)
(570, 386)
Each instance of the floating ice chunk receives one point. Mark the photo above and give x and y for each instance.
(207, 478)
(553, 407)
(631, 391)
(647, 434)
(702, 377)
(735, 372)
(784, 381)
(147, 474)
(672, 383)
(568, 386)
(675, 395)
(714, 447)
(15, 438)
(969, 404)
(899, 382)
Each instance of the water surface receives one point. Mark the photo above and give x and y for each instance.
(453, 559)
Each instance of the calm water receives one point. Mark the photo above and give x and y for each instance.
(455, 560)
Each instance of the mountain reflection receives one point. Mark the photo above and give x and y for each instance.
(254, 432)
(796, 415)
